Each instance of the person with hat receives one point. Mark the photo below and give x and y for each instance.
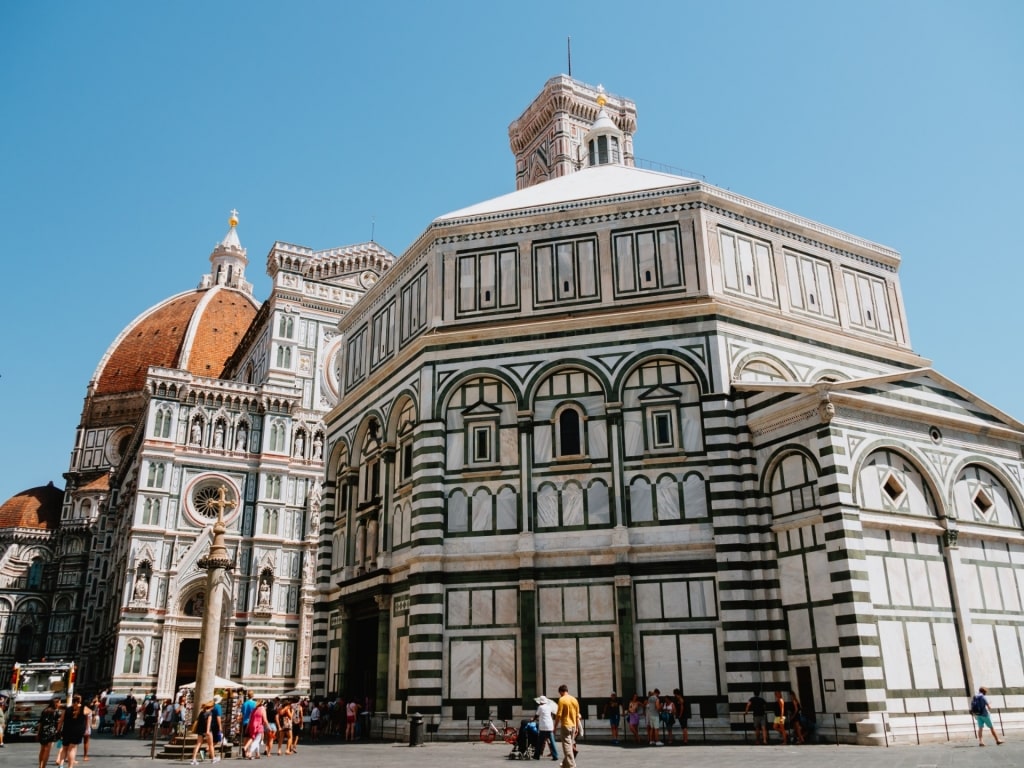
(546, 726)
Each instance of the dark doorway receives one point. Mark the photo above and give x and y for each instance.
(361, 664)
(188, 662)
(805, 690)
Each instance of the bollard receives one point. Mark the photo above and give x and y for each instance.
(416, 730)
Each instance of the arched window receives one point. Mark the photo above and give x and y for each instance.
(162, 423)
(284, 357)
(270, 521)
(286, 327)
(132, 657)
(277, 434)
(35, 573)
(570, 433)
(151, 512)
(258, 664)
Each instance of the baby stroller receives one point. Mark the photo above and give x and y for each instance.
(527, 743)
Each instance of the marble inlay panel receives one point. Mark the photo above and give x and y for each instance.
(818, 575)
(597, 440)
(922, 655)
(458, 608)
(547, 507)
(700, 671)
(799, 628)
(947, 647)
(572, 505)
(550, 601)
(576, 604)
(661, 662)
(896, 571)
(791, 580)
(675, 599)
(1008, 639)
(648, 601)
(876, 580)
(542, 434)
(598, 510)
(695, 499)
(602, 603)
(560, 662)
(454, 450)
(597, 667)
(465, 680)
(894, 654)
(826, 634)
(500, 669)
(668, 499)
(920, 592)
(483, 608)
(506, 607)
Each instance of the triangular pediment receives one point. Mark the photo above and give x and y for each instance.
(661, 392)
(481, 409)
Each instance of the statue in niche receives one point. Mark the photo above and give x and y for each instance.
(264, 592)
(241, 438)
(197, 605)
(218, 435)
(300, 444)
(141, 591)
(315, 494)
(318, 446)
(197, 433)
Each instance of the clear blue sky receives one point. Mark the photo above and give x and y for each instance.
(130, 129)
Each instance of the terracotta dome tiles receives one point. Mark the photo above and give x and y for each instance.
(34, 508)
(157, 339)
(225, 320)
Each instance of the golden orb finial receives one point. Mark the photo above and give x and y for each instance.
(601, 99)
(233, 221)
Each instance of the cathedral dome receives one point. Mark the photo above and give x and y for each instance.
(195, 331)
(34, 508)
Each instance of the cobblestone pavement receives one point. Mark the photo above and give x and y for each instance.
(108, 752)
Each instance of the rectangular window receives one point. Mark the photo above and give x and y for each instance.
(662, 428)
(810, 285)
(566, 271)
(867, 301)
(648, 260)
(355, 360)
(747, 265)
(487, 281)
(414, 306)
(383, 334)
(481, 442)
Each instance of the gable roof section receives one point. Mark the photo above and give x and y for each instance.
(919, 394)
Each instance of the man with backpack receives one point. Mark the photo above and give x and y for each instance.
(982, 713)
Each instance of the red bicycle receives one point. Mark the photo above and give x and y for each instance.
(508, 734)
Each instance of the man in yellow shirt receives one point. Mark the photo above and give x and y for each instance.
(567, 719)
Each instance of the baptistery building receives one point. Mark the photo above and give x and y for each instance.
(625, 430)
(619, 428)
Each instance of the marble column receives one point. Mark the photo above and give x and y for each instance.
(216, 563)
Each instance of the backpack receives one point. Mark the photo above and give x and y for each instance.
(977, 705)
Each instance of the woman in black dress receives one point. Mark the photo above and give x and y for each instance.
(73, 724)
(47, 732)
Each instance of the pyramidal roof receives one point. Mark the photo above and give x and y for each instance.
(603, 181)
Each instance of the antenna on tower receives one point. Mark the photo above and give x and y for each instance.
(568, 52)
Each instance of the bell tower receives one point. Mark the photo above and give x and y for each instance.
(548, 139)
